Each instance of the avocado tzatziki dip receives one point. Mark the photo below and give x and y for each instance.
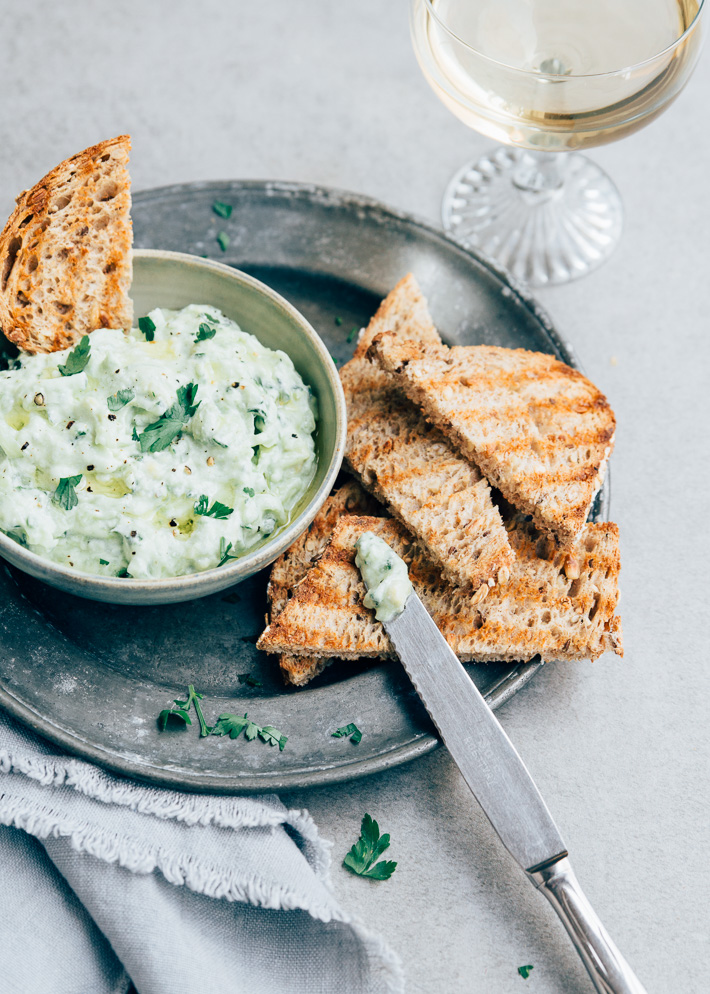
(384, 574)
(170, 449)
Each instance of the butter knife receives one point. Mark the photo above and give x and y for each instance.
(503, 787)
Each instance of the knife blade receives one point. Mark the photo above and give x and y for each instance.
(503, 787)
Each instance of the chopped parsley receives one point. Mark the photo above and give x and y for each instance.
(233, 725)
(248, 491)
(104, 562)
(227, 724)
(221, 209)
(224, 549)
(120, 399)
(147, 326)
(158, 435)
(205, 332)
(223, 240)
(65, 494)
(353, 334)
(524, 971)
(338, 321)
(216, 511)
(362, 858)
(124, 574)
(249, 680)
(350, 731)
(77, 359)
(181, 712)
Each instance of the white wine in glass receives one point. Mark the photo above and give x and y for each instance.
(547, 77)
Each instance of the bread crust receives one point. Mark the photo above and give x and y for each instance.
(65, 252)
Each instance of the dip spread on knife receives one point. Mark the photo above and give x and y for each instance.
(384, 574)
(170, 449)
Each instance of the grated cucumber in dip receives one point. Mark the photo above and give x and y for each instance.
(384, 574)
(157, 452)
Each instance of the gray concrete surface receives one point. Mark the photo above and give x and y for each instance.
(331, 93)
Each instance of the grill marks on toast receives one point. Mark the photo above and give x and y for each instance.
(410, 466)
(539, 431)
(290, 568)
(541, 610)
(65, 252)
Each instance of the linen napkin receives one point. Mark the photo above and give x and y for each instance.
(104, 881)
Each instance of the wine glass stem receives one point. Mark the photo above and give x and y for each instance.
(540, 172)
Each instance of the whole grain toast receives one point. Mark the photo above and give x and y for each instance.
(290, 568)
(538, 430)
(65, 252)
(410, 466)
(541, 610)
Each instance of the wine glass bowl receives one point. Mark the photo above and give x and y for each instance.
(545, 77)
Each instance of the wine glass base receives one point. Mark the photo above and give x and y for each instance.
(542, 237)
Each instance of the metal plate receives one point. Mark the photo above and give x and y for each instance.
(92, 677)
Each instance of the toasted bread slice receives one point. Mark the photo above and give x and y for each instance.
(65, 252)
(290, 568)
(403, 312)
(540, 611)
(410, 466)
(539, 431)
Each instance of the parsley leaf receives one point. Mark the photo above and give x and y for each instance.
(350, 731)
(176, 713)
(273, 737)
(248, 491)
(77, 358)
(223, 240)
(524, 971)
(104, 562)
(182, 709)
(249, 680)
(353, 334)
(216, 511)
(224, 555)
(147, 326)
(158, 435)
(120, 399)
(221, 209)
(338, 321)
(65, 494)
(205, 332)
(369, 847)
(231, 725)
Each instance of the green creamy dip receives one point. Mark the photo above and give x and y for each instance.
(158, 458)
(385, 576)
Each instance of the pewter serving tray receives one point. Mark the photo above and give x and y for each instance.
(92, 677)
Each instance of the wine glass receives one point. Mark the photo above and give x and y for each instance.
(549, 77)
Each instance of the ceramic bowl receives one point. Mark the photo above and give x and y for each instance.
(173, 280)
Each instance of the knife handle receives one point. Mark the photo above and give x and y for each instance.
(606, 966)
